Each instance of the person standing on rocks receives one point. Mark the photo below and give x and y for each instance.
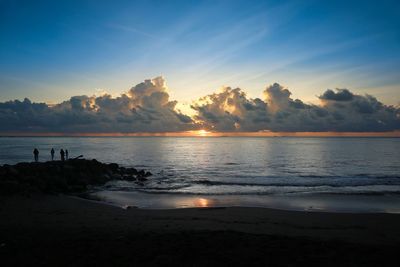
(66, 154)
(52, 154)
(36, 154)
(62, 153)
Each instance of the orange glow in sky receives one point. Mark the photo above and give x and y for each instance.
(202, 132)
(205, 133)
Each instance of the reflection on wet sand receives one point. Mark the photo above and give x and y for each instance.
(203, 203)
(191, 202)
(302, 202)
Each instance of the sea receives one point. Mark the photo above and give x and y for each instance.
(341, 174)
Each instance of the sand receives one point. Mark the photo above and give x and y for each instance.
(68, 231)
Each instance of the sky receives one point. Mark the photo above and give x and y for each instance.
(51, 51)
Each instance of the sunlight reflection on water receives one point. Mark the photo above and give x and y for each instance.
(234, 165)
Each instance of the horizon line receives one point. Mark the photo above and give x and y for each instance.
(203, 133)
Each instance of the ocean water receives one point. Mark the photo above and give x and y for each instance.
(233, 170)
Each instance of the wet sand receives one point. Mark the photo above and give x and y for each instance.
(65, 231)
(354, 203)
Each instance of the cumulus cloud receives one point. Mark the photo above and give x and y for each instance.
(340, 110)
(346, 110)
(231, 110)
(146, 107)
(340, 95)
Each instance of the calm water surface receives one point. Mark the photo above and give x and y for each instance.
(254, 168)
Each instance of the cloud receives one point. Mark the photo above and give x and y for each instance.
(340, 111)
(146, 107)
(359, 112)
(340, 95)
(231, 110)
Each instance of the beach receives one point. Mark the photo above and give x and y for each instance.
(49, 230)
(232, 202)
(199, 133)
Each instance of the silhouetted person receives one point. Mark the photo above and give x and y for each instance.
(66, 154)
(62, 153)
(36, 154)
(52, 154)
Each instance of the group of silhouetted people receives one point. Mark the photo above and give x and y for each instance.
(63, 154)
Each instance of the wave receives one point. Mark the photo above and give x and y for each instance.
(336, 183)
(222, 188)
(388, 184)
(357, 175)
(323, 191)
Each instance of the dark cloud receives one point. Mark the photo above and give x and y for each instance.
(339, 111)
(340, 95)
(351, 112)
(146, 107)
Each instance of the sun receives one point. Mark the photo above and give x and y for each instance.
(202, 132)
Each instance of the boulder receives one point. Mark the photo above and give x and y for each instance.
(74, 175)
(113, 167)
(141, 178)
(13, 171)
(131, 171)
(129, 177)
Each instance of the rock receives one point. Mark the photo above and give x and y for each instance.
(75, 175)
(69, 167)
(131, 171)
(13, 171)
(117, 176)
(129, 177)
(9, 187)
(113, 167)
(141, 178)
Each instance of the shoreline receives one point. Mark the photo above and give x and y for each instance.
(46, 222)
(48, 209)
(41, 207)
(70, 231)
(309, 202)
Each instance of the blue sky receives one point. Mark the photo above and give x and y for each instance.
(52, 50)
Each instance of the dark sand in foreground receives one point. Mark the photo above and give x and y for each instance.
(66, 231)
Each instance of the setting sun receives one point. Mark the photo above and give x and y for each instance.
(202, 133)
(208, 132)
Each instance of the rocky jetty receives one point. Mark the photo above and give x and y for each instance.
(71, 176)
